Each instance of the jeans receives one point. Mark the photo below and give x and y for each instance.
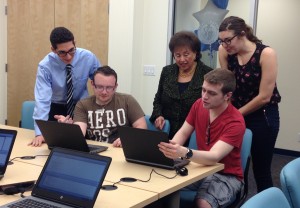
(264, 124)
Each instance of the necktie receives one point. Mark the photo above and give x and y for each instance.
(70, 101)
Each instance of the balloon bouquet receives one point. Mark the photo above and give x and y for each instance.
(210, 19)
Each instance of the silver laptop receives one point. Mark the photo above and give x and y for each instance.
(69, 178)
(7, 140)
(66, 136)
(140, 146)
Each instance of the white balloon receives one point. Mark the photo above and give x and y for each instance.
(210, 18)
(208, 32)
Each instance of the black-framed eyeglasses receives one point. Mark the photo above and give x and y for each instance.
(208, 134)
(227, 41)
(102, 88)
(64, 53)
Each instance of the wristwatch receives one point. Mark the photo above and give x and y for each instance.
(189, 154)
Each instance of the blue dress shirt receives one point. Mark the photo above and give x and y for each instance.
(50, 86)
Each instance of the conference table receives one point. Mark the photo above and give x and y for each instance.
(128, 194)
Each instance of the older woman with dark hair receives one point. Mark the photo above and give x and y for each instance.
(180, 84)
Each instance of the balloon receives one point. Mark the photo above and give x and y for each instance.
(210, 19)
(208, 32)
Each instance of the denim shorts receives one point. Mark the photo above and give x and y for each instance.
(219, 190)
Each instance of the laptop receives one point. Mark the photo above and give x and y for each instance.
(7, 140)
(69, 178)
(66, 136)
(140, 146)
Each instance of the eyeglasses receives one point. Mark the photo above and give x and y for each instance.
(101, 88)
(227, 41)
(208, 134)
(64, 53)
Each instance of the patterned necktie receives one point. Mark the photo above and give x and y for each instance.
(70, 101)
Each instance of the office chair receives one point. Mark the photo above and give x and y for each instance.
(187, 197)
(26, 115)
(270, 198)
(290, 182)
(151, 126)
(245, 156)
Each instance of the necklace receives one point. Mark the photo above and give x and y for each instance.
(189, 73)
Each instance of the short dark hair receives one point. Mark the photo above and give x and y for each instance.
(106, 71)
(223, 77)
(60, 35)
(186, 38)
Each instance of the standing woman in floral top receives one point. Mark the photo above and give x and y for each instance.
(256, 95)
(180, 84)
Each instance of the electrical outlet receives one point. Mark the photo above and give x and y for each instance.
(149, 70)
(299, 137)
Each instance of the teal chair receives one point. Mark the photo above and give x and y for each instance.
(187, 197)
(290, 182)
(270, 198)
(26, 115)
(151, 126)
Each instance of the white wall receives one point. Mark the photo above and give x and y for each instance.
(120, 50)
(3, 60)
(144, 42)
(278, 27)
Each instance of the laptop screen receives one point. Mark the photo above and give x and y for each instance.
(72, 178)
(7, 138)
(146, 152)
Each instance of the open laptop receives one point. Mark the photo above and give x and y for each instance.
(66, 136)
(69, 178)
(140, 146)
(7, 140)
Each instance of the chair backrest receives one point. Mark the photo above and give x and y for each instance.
(290, 182)
(151, 126)
(246, 148)
(245, 159)
(26, 115)
(193, 141)
(245, 151)
(270, 198)
(187, 197)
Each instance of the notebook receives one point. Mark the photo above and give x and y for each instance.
(66, 136)
(140, 146)
(69, 178)
(7, 140)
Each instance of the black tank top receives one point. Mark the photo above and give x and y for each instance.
(248, 78)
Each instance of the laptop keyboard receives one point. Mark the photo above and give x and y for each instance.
(30, 203)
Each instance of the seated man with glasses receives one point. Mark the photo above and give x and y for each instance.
(100, 114)
(220, 128)
(51, 87)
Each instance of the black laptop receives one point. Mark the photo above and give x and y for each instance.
(66, 136)
(69, 178)
(7, 140)
(140, 146)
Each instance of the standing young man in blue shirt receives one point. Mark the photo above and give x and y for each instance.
(51, 86)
